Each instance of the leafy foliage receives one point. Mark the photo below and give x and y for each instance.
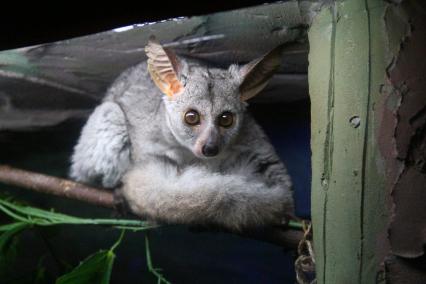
(34, 216)
(96, 268)
(8, 244)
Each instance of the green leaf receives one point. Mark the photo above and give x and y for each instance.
(9, 231)
(8, 244)
(35, 216)
(93, 270)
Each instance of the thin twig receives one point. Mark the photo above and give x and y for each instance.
(160, 277)
(56, 186)
(289, 238)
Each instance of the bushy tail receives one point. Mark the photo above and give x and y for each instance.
(198, 196)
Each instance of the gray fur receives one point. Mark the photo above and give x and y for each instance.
(137, 136)
(102, 152)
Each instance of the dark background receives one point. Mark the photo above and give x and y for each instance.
(25, 24)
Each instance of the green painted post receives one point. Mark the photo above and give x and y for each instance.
(349, 52)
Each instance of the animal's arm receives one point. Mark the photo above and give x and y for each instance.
(102, 153)
(254, 146)
(159, 190)
(262, 157)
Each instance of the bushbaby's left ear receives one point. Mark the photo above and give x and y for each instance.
(164, 68)
(257, 73)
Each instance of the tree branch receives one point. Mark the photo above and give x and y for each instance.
(69, 189)
(55, 186)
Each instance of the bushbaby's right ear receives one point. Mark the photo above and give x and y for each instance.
(164, 67)
(257, 73)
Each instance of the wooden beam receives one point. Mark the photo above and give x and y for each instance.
(349, 56)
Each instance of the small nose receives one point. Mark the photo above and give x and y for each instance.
(210, 150)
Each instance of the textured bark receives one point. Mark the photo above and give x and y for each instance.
(405, 156)
(408, 78)
(367, 85)
(55, 186)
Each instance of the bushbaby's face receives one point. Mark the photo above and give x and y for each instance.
(205, 106)
(207, 115)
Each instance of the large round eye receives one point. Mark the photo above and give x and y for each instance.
(192, 117)
(226, 119)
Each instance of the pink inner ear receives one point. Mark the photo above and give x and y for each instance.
(162, 65)
(167, 83)
(175, 86)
